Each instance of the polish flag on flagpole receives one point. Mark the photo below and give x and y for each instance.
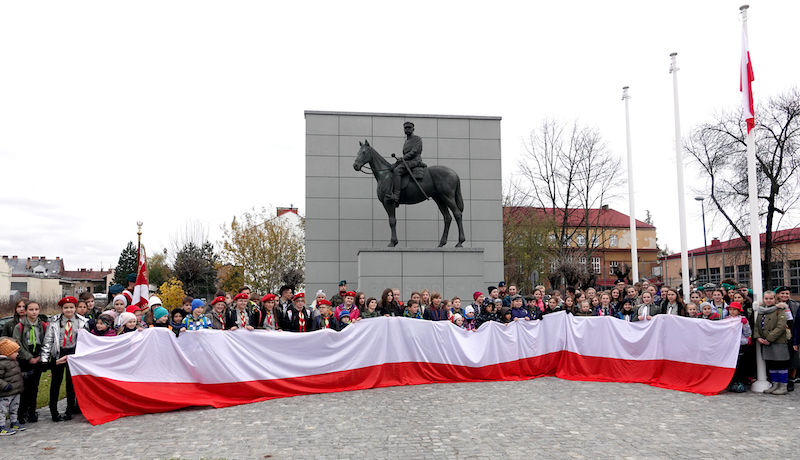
(141, 291)
(746, 82)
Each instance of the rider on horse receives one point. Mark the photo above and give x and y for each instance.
(412, 158)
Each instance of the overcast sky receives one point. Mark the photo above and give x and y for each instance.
(169, 112)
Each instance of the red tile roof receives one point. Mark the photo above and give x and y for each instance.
(791, 235)
(85, 274)
(598, 217)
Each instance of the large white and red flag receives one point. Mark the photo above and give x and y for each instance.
(746, 82)
(153, 371)
(141, 291)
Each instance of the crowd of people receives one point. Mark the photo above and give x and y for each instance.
(33, 342)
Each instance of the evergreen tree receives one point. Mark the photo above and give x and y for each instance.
(127, 264)
(194, 267)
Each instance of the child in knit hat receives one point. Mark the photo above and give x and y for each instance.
(128, 322)
(470, 321)
(103, 326)
(10, 387)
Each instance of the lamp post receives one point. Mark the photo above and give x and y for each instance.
(703, 210)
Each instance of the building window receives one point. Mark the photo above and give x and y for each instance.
(552, 237)
(743, 274)
(565, 241)
(596, 265)
(581, 240)
(80, 289)
(582, 261)
(88, 289)
(613, 266)
(613, 241)
(553, 266)
(794, 276)
(729, 273)
(776, 272)
(702, 276)
(715, 276)
(595, 241)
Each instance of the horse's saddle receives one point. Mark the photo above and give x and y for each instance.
(417, 171)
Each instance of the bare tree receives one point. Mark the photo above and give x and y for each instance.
(719, 148)
(567, 170)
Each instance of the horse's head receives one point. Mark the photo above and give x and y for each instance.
(363, 156)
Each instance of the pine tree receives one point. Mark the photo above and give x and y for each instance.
(127, 264)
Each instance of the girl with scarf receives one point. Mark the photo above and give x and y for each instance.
(770, 332)
(29, 334)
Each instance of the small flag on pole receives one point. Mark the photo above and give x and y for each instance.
(141, 291)
(745, 82)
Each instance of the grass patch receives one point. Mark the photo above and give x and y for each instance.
(43, 397)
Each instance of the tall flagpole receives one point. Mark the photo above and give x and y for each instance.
(634, 241)
(761, 383)
(673, 69)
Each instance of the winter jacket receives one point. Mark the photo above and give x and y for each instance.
(192, 324)
(485, 318)
(22, 334)
(584, 313)
(319, 323)
(370, 314)
(9, 374)
(713, 316)
(610, 311)
(771, 326)
(435, 314)
(652, 310)
(630, 316)
(520, 313)
(353, 312)
(233, 318)
(217, 320)
(292, 320)
(51, 348)
(8, 328)
(417, 315)
(470, 324)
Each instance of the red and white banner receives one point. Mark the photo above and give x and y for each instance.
(746, 82)
(141, 291)
(153, 371)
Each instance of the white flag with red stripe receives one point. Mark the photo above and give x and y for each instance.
(141, 291)
(746, 83)
(142, 373)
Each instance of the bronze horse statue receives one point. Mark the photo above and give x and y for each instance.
(438, 182)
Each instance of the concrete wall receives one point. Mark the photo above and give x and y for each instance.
(343, 213)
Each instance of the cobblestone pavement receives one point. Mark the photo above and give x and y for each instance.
(540, 418)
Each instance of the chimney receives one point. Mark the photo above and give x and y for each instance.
(28, 267)
(58, 258)
(715, 242)
(83, 269)
(5, 257)
(605, 207)
(91, 269)
(13, 257)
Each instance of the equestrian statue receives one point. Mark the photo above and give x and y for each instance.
(410, 181)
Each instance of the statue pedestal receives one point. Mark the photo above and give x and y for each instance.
(450, 271)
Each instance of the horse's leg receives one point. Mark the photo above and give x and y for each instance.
(447, 219)
(451, 204)
(392, 222)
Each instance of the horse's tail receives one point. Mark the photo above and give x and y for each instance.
(459, 198)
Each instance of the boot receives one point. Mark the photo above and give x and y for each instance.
(774, 386)
(33, 416)
(781, 390)
(22, 418)
(790, 386)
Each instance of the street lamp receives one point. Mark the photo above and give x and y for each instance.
(703, 210)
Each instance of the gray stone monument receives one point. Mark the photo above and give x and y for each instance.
(346, 225)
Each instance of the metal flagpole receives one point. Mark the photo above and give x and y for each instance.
(673, 69)
(634, 241)
(761, 383)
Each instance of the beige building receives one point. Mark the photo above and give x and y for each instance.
(731, 259)
(5, 280)
(610, 236)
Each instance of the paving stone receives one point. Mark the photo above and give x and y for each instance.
(533, 419)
